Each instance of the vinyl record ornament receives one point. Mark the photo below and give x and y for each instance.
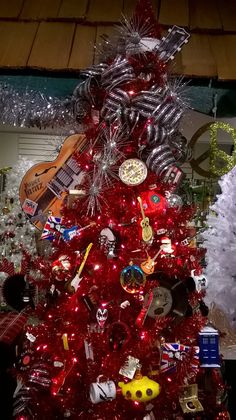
(169, 298)
(18, 292)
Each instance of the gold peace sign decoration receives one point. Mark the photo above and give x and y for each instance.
(217, 156)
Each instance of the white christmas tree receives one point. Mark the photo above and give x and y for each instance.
(16, 232)
(220, 242)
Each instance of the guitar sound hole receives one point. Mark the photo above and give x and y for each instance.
(45, 171)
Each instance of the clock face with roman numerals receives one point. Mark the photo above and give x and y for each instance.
(132, 172)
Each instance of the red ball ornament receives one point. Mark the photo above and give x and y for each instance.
(153, 202)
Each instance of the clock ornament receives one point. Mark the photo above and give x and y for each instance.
(133, 172)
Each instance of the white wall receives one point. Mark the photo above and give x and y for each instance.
(8, 148)
(191, 122)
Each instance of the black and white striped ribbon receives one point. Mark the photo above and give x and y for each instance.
(180, 148)
(156, 134)
(95, 70)
(160, 159)
(119, 72)
(115, 104)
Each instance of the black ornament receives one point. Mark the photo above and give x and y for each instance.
(18, 292)
(119, 335)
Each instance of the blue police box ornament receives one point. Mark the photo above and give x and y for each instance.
(209, 347)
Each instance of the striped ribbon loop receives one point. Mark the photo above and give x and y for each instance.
(119, 72)
(95, 70)
(115, 104)
(160, 158)
(180, 149)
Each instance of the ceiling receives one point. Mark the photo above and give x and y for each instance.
(59, 35)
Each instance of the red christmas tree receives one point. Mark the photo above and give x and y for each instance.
(119, 323)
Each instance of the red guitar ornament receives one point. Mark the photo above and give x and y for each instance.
(45, 185)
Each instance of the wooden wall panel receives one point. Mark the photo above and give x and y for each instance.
(16, 41)
(204, 14)
(224, 51)
(10, 8)
(40, 9)
(52, 45)
(102, 11)
(82, 54)
(174, 13)
(227, 11)
(101, 30)
(73, 9)
(197, 58)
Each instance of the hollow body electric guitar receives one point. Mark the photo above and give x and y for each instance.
(46, 184)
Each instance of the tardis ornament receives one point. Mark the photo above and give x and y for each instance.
(209, 347)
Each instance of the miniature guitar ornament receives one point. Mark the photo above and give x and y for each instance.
(172, 43)
(59, 380)
(72, 285)
(147, 232)
(144, 311)
(148, 265)
(45, 185)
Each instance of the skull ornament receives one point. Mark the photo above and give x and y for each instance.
(200, 280)
(102, 315)
(107, 241)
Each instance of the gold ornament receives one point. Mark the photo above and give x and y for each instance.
(189, 399)
(216, 155)
(5, 170)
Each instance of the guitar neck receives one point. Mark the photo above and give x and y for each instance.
(155, 256)
(172, 43)
(141, 207)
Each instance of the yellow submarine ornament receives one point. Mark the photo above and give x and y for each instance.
(141, 389)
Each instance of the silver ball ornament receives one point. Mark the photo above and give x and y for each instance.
(175, 201)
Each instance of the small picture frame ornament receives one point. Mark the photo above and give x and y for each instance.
(189, 399)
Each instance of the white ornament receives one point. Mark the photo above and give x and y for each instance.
(102, 391)
(107, 241)
(102, 315)
(125, 304)
(166, 246)
(200, 281)
(30, 337)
